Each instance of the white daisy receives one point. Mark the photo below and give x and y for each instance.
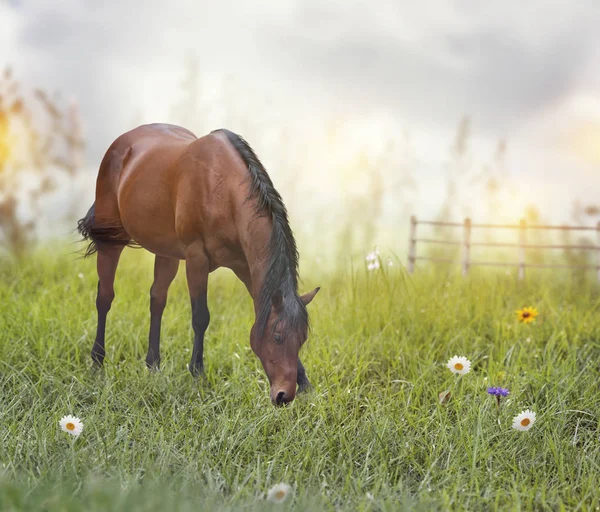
(71, 425)
(279, 493)
(460, 365)
(524, 421)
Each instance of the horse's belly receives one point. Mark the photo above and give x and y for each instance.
(148, 217)
(156, 240)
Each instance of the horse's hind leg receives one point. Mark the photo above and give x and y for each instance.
(108, 259)
(165, 270)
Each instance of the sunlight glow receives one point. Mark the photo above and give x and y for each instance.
(585, 142)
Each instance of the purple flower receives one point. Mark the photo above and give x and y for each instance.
(498, 391)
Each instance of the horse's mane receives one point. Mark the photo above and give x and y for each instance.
(282, 274)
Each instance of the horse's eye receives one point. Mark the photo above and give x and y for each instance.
(277, 338)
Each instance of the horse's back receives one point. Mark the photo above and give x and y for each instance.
(160, 132)
(169, 189)
(133, 144)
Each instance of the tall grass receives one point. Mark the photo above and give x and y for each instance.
(371, 436)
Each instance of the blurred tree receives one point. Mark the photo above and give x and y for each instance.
(188, 110)
(536, 236)
(578, 256)
(494, 182)
(38, 140)
(456, 170)
(453, 206)
(398, 161)
(366, 187)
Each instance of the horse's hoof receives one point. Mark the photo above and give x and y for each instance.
(153, 366)
(97, 370)
(97, 358)
(196, 371)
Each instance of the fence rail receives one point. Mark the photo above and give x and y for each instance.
(521, 245)
(506, 226)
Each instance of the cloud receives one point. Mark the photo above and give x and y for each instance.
(122, 60)
(498, 65)
(421, 64)
(426, 62)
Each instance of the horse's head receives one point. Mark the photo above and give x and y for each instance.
(278, 342)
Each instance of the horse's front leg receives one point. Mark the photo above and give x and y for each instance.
(197, 270)
(302, 380)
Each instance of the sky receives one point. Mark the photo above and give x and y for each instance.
(524, 72)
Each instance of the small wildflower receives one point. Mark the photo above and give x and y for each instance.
(71, 425)
(374, 265)
(460, 365)
(390, 263)
(279, 493)
(373, 256)
(80, 275)
(498, 392)
(524, 421)
(527, 315)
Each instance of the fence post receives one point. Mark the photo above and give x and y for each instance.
(522, 241)
(466, 260)
(598, 250)
(412, 244)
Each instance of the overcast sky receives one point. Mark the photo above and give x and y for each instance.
(525, 71)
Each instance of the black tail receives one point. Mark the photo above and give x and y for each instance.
(101, 234)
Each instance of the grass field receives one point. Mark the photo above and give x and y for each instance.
(371, 436)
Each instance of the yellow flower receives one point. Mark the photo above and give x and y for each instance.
(527, 315)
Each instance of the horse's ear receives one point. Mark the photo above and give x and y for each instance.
(277, 300)
(307, 297)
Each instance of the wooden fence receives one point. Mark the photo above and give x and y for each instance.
(520, 245)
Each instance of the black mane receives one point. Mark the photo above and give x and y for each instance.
(282, 274)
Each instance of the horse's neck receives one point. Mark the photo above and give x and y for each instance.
(254, 239)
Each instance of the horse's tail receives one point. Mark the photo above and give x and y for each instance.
(105, 234)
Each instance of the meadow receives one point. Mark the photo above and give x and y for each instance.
(372, 435)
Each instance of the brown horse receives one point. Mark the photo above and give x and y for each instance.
(208, 201)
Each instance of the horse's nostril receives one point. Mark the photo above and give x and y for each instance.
(281, 399)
